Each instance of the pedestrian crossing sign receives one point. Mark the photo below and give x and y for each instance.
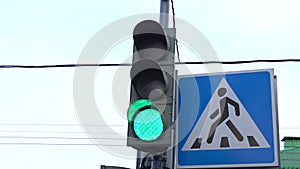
(227, 120)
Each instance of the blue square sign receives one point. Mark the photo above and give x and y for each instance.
(227, 120)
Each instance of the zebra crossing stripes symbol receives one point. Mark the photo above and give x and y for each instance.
(225, 124)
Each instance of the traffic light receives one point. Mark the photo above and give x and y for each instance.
(152, 85)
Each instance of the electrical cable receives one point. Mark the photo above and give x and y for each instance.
(64, 144)
(129, 64)
(64, 125)
(61, 138)
(65, 65)
(58, 132)
(174, 26)
(243, 61)
(173, 13)
(144, 161)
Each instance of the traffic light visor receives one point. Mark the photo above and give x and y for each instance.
(150, 40)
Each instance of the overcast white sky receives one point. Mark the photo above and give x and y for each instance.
(36, 32)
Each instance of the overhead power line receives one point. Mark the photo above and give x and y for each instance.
(71, 125)
(82, 125)
(60, 138)
(129, 64)
(64, 144)
(60, 132)
(243, 61)
(64, 65)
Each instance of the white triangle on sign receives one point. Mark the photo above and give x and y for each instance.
(221, 127)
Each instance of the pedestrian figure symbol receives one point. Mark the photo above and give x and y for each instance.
(225, 123)
(224, 111)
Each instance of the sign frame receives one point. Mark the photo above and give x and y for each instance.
(183, 163)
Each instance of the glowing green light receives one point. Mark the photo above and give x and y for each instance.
(145, 119)
(137, 106)
(148, 125)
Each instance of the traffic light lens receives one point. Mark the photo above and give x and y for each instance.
(148, 81)
(148, 125)
(137, 106)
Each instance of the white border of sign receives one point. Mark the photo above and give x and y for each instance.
(276, 163)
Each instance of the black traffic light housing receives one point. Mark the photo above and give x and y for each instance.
(152, 80)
